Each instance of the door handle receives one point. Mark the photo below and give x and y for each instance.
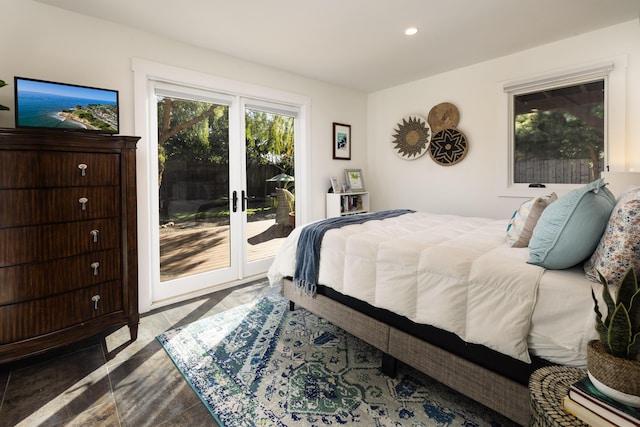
(244, 201)
(235, 201)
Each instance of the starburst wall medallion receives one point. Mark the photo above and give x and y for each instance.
(448, 147)
(411, 137)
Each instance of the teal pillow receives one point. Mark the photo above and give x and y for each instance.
(570, 228)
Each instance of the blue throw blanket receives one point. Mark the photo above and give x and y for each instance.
(305, 275)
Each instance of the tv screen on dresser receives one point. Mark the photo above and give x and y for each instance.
(50, 105)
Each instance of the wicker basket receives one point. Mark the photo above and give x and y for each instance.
(620, 374)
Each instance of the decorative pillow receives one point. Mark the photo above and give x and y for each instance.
(570, 228)
(619, 247)
(525, 219)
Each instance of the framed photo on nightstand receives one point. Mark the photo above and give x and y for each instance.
(335, 184)
(354, 179)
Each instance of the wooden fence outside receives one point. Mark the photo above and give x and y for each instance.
(567, 171)
(183, 180)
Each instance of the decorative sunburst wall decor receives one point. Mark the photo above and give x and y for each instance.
(411, 137)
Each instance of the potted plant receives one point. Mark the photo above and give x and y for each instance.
(292, 219)
(292, 211)
(613, 360)
(2, 107)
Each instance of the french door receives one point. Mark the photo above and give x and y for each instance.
(222, 162)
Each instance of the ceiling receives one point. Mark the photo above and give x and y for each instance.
(360, 44)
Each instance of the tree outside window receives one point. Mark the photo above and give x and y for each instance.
(559, 134)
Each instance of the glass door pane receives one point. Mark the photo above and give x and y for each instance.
(193, 177)
(270, 181)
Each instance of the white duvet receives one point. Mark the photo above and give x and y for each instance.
(452, 272)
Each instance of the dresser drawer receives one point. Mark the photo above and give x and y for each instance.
(30, 207)
(30, 281)
(46, 242)
(39, 317)
(28, 169)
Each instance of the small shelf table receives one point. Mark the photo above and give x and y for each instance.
(349, 203)
(547, 387)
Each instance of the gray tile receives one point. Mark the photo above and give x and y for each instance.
(197, 415)
(99, 416)
(120, 347)
(190, 311)
(5, 371)
(202, 307)
(52, 392)
(149, 389)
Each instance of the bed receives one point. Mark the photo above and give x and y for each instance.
(449, 296)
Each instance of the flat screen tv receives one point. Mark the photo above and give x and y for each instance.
(50, 105)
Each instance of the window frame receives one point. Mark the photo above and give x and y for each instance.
(613, 73)
(599, 73)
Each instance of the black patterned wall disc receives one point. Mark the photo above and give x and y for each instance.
(448, 146)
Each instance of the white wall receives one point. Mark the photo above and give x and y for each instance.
(43, 42)
(474, 186)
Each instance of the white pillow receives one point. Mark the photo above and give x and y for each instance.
(525, 219)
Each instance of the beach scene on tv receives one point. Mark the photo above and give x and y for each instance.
(55, 105)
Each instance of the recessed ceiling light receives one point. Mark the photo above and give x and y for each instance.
(411, 31)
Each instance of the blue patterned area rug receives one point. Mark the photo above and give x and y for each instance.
(262, 365)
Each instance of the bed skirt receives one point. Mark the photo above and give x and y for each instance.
(504, 395)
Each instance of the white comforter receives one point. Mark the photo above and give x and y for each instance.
(452, 272)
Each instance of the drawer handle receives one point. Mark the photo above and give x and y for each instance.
(94, 267)
(94, 234)
(83, 203)
(95, 300)
(83, 169)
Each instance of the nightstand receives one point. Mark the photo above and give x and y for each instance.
(342, 204)
(547, 387)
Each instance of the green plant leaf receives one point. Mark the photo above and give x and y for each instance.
(608, 299)
(628, 287)
(634, 348)
(601, 329)
(619, 332)
(2, 83)
(634, 312)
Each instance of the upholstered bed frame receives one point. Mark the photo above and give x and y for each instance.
(505, 392)
(363, 264)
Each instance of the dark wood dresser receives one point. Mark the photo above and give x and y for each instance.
(68, 239)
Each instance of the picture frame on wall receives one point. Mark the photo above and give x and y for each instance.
(341, 141)
(354, 179)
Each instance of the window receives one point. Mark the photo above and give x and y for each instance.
(558, 127)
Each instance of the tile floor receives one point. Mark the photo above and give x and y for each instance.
(111, 381)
